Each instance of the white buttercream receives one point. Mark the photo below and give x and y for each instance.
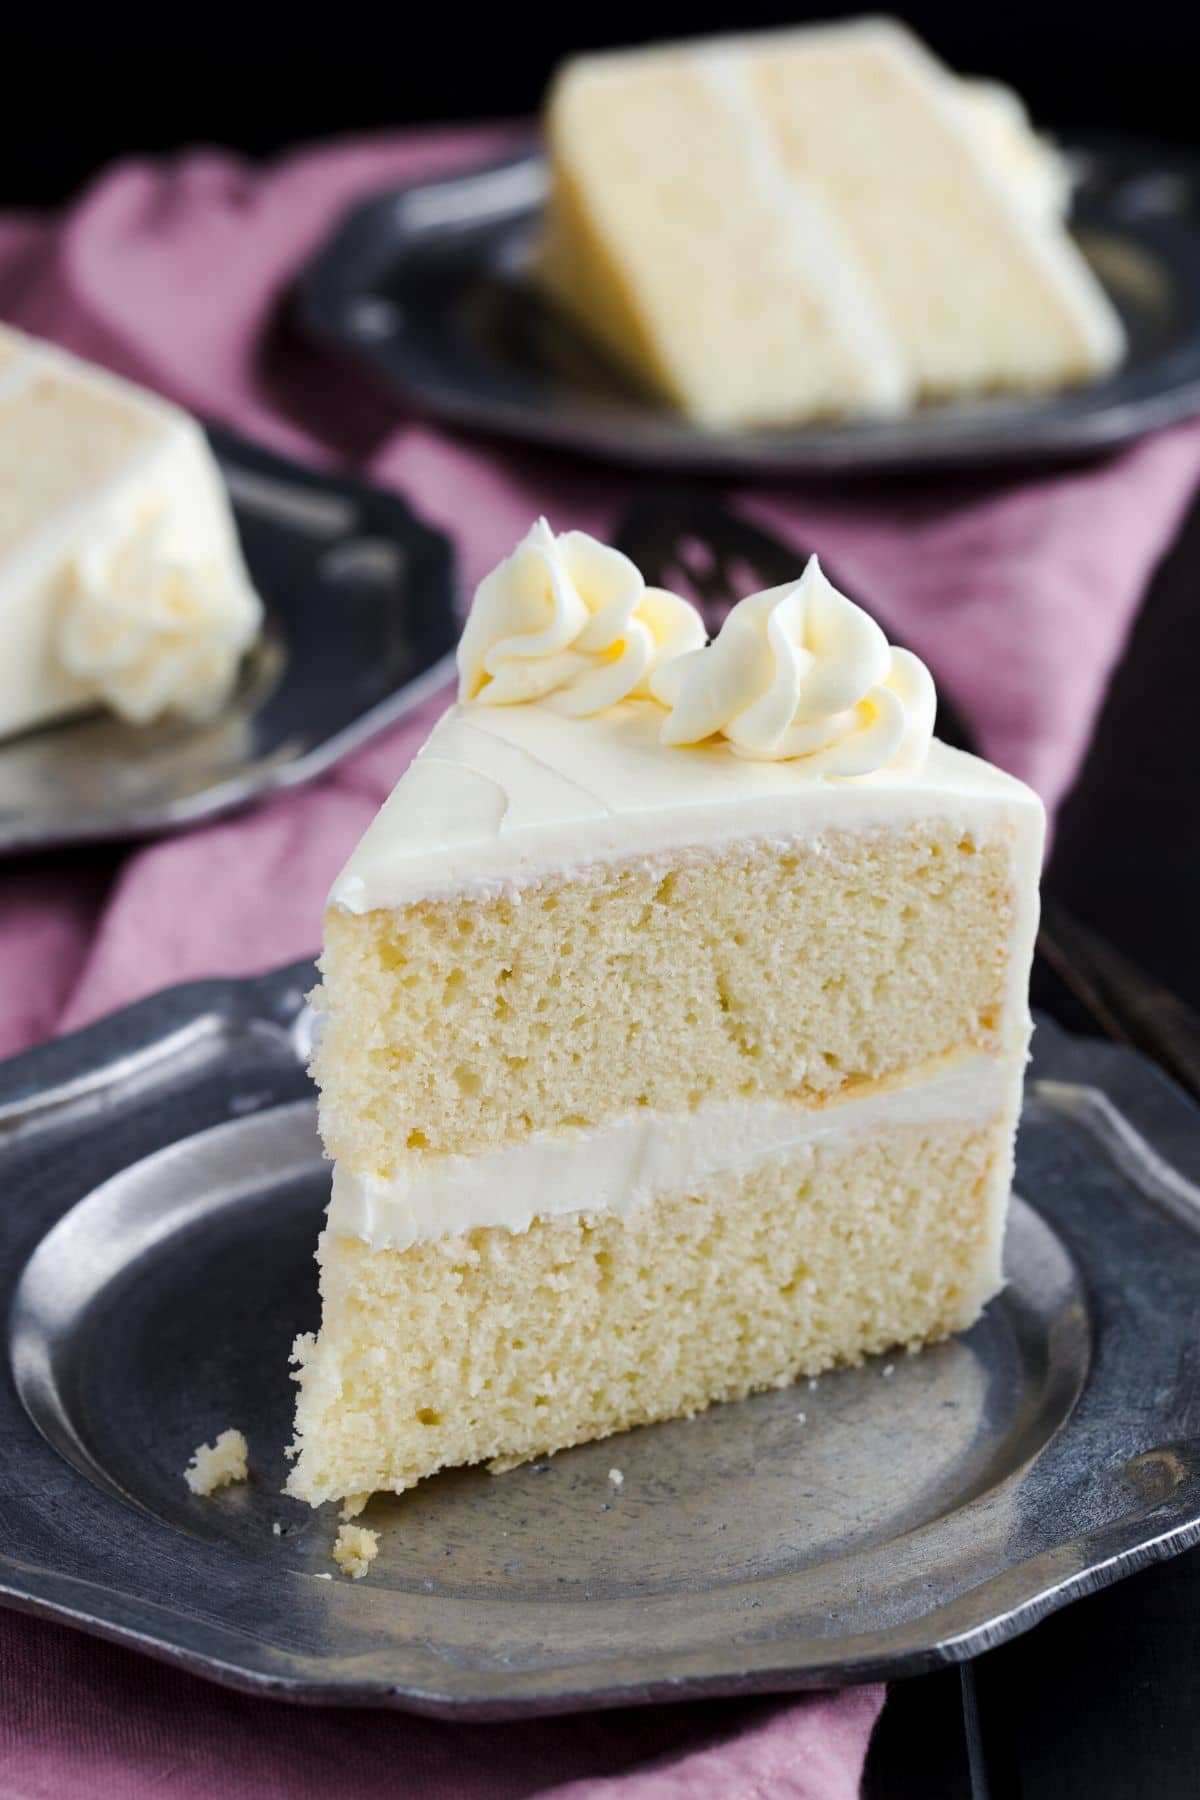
(801, 672)
(149, 629)
(639, 1157)
(502, 796)
(569, 621)
(1035, 171)
(121, 578)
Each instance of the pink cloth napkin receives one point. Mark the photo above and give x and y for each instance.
(1018, 592)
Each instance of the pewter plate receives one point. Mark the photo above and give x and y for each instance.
(162, 1190)
(360, 626)
(428, 289)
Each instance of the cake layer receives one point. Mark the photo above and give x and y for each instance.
(790, 971)
(514, 1344)
(631, 1160)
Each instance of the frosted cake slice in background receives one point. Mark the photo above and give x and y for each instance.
(675, 1013)
(813, 223)
(121, 579)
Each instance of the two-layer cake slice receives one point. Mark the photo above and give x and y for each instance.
(777, 227)
(674, 1024)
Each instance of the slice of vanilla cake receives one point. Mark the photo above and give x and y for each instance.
(121, 578)
(674, 1019)
(776, 227)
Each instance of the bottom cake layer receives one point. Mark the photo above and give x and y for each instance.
(511, 1344)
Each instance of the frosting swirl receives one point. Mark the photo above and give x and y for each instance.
(149, 632)
(569, 621)
(801, 672)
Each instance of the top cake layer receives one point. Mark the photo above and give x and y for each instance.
(502, 796)
(633, 873)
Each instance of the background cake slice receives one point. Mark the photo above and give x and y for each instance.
(776, 227)
(668, 1052)
(121, 578)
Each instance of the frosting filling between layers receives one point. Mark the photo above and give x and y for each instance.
(639, 1156)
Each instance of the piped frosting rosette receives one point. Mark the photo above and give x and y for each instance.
(149, 631)
(800, 673)
(568, 621)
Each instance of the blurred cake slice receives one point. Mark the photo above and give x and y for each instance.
(121, 578)
(674, 1019)
(814, 222)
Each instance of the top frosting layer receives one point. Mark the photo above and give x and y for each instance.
(501, 796)
(595, 725)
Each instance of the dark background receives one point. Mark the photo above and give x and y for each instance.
(106, 84)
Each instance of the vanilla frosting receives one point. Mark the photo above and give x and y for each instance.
(502, 796)
(121, 577)
(641, 1156)
(569, 621)
(148, 629)
(1036, 173)
(800, 671)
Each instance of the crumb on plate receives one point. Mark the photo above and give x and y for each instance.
(616, 1477)
(217, 1465)
(355, 1549)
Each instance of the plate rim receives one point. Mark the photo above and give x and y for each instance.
(75, 1074)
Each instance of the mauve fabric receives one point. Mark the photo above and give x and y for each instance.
(1018, 592)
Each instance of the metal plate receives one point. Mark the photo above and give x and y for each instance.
(428, 289)
(163, 1189)
(360, 626)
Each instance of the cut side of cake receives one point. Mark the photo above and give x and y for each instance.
(669, 1050)
(816, 222)
(121, 578)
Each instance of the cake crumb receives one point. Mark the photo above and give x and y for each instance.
(217, 1465)
(277, 1528)
(504, 1465)
(616, 1477)
(353, 1504)
(325, 1576)
(812, 1384)
(889, 1369)
(802, 1418)
(355, 1549)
